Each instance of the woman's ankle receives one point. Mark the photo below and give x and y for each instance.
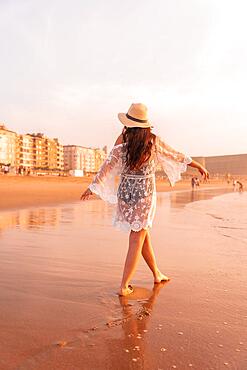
(124, 286)
(156, 274)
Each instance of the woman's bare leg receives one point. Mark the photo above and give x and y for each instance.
(136, 240)
(148, 255)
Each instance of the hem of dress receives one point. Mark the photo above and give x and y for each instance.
(126, 226)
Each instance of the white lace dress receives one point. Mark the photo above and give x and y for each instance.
(134, 192)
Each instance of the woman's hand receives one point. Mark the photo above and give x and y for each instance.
(86, 194)
(204, 172)
(200, 168)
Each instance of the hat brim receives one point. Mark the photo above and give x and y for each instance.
(129, 123)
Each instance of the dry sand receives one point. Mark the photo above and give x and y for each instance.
(61, 266)
(27, 191)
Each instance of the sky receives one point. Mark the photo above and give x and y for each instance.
(68, 67)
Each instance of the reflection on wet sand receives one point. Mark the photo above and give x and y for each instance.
(126, 343)
(135, 327)
(60, 270)
(123, 342)
(30, 218)
(36, 218)
(181, 198)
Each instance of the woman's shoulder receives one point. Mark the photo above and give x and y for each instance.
(158, 141)
(155, 140)
(119, 140)
(119, 144)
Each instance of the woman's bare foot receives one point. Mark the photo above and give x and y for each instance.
(159, 277)
(126, 291)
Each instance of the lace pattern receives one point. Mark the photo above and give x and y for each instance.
(134, 192)
(104, 183)
(173, 162)
(136, 202)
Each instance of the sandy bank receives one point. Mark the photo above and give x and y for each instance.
(21, 192)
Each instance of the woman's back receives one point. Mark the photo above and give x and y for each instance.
(146, 168)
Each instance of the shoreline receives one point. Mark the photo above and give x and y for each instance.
(25, 192)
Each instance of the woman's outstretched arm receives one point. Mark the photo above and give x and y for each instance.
(203, 171)
(106, 168)
(174, 162)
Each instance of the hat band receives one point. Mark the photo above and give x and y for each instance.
(136, 119)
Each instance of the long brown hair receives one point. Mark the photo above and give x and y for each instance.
(139, 145)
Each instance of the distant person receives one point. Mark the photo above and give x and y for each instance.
(197, 181)
(135, 156)
(234, 183)
(228, 178)
(241, 186)
(6, 169)
(193, 182)
(21, 170)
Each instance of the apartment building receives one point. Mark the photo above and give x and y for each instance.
(48, 153)
(83, 159)
(30, 152)
(100, 156)
(8, 145)
(25, 152)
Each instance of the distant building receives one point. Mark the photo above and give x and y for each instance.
(84, 159)
(225, 164)
(100, 156)
(30, 152)
(8, 145)
(25, 152)
(48, 153)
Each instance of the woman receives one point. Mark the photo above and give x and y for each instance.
(134, 159)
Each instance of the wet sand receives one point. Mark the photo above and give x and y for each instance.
(61, 266)
(31, 191)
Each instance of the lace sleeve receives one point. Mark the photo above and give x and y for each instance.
(173, 162)
(104, 183)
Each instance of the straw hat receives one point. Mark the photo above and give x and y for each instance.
(136, 117)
